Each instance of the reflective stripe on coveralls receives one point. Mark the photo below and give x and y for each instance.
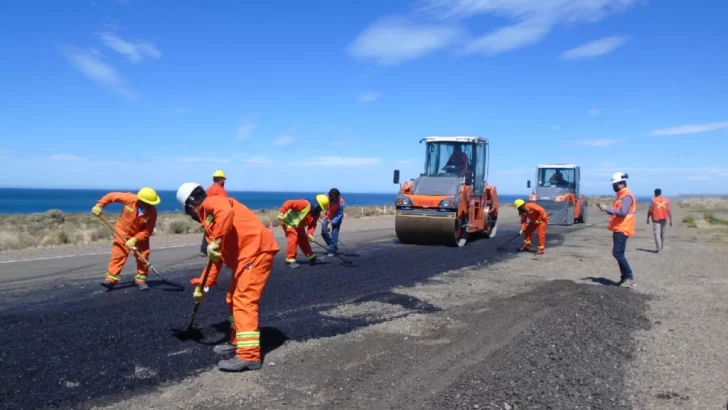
(294, 218)
(298, 222)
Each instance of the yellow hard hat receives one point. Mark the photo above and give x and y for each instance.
(219, 174)
(518, 203)
(323, 200)
(148, 196)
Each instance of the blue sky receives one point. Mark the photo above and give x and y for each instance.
(312, 94)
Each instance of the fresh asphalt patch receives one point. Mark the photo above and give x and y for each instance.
(100, 346)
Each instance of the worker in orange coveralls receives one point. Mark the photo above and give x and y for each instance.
(136, 223)
(298, 219)
(539, 219)
(238, 239)
(217, 188)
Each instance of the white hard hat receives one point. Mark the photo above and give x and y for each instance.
(619, 177)
(184, 192)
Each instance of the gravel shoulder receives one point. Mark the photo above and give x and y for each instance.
(527, 332)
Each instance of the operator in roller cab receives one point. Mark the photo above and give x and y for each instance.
(458, 159)
(539, 220)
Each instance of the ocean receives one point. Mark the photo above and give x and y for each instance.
(22, 201)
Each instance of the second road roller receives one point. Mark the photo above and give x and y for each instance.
(451, 201)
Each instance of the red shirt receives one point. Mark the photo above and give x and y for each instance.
(216, 189)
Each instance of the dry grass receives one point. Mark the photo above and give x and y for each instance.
(708, 216)
(705, 204)
(56, 228)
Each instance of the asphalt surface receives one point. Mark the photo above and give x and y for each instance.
(67, 343)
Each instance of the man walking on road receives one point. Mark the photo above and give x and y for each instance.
(240, 241)
(217, 188)
(659, 212)
(621, 223)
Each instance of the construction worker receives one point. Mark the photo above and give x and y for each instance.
(659, 212)
(217, 188)
(298, 219)
(332, 222)
(539, 219)
(458, 159)
(136, 223)
(238, 239)
(621, 223)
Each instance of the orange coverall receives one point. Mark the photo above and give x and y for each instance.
(248, 249)
(131, 223)
(299, 223)
(539, 219)
(216, 189)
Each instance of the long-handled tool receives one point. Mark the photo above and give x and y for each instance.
(191, 333)
(346, 262)
(349, 252)
(501, 246)
(139, 255)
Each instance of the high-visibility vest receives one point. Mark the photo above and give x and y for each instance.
(293, 219)
(624, 224)
(660, 208)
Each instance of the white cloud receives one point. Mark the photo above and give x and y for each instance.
(368, 97)
(135, 51)
(597, 143)
(257, 160)
(691, 129)
(103, 74)
(246, 128)
(556, 127)
(334, 161)
(532, 19)
(594, 112)
(594, 48)
(394, 40)
(204, 159)
(67, 157)
(283, 140)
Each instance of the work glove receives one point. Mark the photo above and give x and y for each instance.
(311, 238)
(213, 251)
(198, 295)
(281, 217)
(520, 232)
(330, 227)
(131, 243)
(197, 281)
(96, 210)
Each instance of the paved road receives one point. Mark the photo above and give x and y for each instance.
(66, 342)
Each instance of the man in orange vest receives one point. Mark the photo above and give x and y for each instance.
(298, 219)
(217, 188)
(539, 219)
(136, 223)
(659, 211)
(239, 240)
(621, 223)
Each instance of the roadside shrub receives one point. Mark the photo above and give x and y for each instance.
(711, 219)
(178, 226)
(57, 237)
(55, 216)
(15, 240)
(690, 222)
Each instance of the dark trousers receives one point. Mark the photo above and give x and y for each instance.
(619, 243)
(203, 247)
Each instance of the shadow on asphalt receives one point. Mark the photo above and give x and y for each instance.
(601, 281)
(647, 250)
(96, 344)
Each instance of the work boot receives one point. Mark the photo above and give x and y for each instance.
(524, 249)
(330, 254)
(142, 286)
(312, 261)
(108, 284)
(224, 348)
(292, 265)
(237, 364)
(626, 283)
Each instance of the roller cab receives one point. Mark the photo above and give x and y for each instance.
(450, 202)
(558, 191)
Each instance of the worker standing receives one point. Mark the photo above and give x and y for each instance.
(217, 188)
(621, 223)
(539, 219)
(331, 224)
(298, 219)
(238, 239)
(136, 223)
(659, 212)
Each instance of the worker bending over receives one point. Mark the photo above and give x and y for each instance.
(136, 224)
(659, 212)
(238, 239)
(217, 188)
(539, 219)
(621, 223)
(331, 224)
(298, 219)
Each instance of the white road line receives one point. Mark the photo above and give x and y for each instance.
(83, 254)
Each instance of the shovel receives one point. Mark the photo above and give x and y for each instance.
(141, 258)
(351, 254)
(191, 333)
(345, 262)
